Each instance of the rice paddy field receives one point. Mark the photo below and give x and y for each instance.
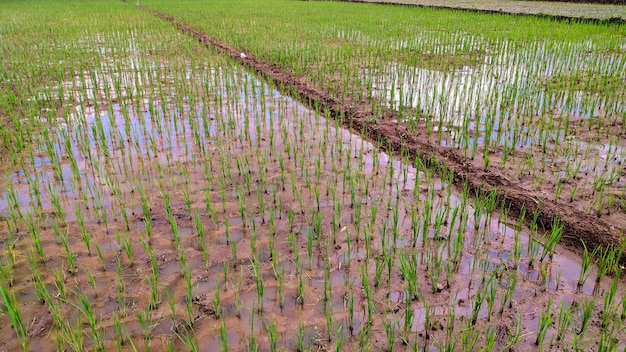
(199, 175)
(599, 10)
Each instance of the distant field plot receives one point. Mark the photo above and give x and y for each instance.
(575, 9)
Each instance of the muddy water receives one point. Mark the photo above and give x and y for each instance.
(545, 120)
(288, 201)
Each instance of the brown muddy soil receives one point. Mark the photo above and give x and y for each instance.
(579, 226)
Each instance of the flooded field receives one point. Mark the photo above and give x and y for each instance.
(531, 102)
(166, 198)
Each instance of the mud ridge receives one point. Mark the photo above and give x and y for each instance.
(578, 226)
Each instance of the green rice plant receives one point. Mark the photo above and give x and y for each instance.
(351, 308)
(119, 331)
(189, 339)
(606, 261)
(368, 296)
(153, 283)
(128, 249)
(300, 288)
(468, 338)
(587, 312)
(564, 321)
(408, 268)
(253, 238)
(92, 281)
(253, 345)
(608, 342)
(233, 249)
(260, 286)
(491, 291)
(56, 202)
(217, 301)
(533, 250)
(281, 290)
(608, 307)
(309, 247)
(339, 339)
(10, 302)
(434, 265)
(120, 286)
(59, 281)
(428, 323)
(223, 337)
(171, 300)
(10, 253)
(33, 231)
(84, 234)
(391, 331)
(477, 304)
(508, 295)
(100, 256)
(86, 309)
(73, 335)
(41, 291)
(364, 338)
(450, 341)
(555, 236)
(585, 267)
(272, 332)
(190, 318)
(199, 226)
(545, 320)
(328, 315)
(226, 277)
(379, 261)
(208, 201)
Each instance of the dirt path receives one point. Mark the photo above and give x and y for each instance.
(559, 10)
(578, 226)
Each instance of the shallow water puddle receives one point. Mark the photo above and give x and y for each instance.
(230, 207)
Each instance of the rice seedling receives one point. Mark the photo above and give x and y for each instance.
(585, 267)
(300, 338)
(545, 320)
(408, 267)
(19, 327)
(223, 337)
(587, 311)
(253, 344)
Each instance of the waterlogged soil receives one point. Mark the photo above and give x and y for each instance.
(580, 225)
(248, 217)
(556, 9)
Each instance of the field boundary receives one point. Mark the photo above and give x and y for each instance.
(578, 226)
(561, 18)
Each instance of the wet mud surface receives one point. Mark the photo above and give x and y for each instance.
(579, 225)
